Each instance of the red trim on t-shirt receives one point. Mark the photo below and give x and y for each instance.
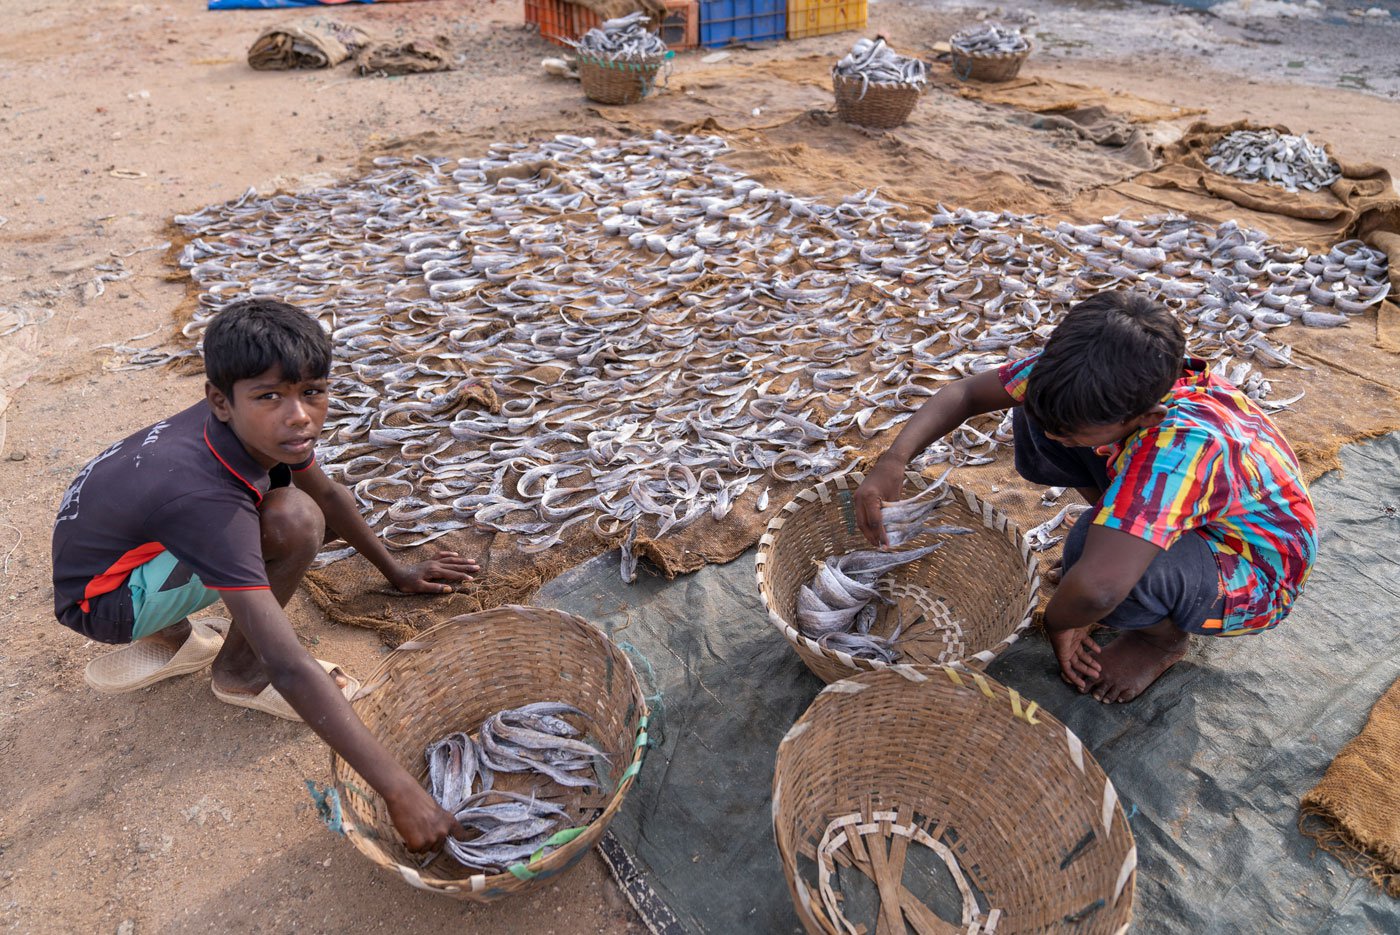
(256, 492)
(251, 587)
(306, 465)
(112, 578)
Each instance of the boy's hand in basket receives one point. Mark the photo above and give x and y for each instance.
(883, 483)
(420, 821)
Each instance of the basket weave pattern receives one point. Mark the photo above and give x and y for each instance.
(1002, 66)
(617, 82)
(455, 676)
(883, 107)
(976, 594)
(1024, 819)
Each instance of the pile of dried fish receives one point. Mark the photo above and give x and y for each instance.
(876, 63)
(510, 826)
(1292, 162)
(989, 39)
(571, 339)
(625, 39)
(838, 607)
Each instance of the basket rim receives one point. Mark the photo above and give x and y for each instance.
(557, 859)
(650, 61)
(992, 518)
(882, 85)
(989, 56)
(1007, 702)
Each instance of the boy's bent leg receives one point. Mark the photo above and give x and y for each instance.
(1176, 594)
(293, 529)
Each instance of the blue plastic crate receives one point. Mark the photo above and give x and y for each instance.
(731, 22)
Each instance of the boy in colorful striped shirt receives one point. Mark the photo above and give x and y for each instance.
(1200, 520)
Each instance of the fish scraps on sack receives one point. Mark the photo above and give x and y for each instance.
(666, 335)
(1291, 162)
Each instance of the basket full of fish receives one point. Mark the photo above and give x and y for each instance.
(989, 52)
(957, 586)
(877, 87)
(528, 725)
(621, 61)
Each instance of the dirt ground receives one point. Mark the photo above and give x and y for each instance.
(166, 810)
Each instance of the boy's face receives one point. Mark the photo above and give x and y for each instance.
(278, 421)
(1097, 436)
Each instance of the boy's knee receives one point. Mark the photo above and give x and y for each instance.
(292, 524)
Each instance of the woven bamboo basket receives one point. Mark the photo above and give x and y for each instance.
(883, 106)
(952, 802)
(991, 68)
(963, 604)
(615, 82)
(455, 676)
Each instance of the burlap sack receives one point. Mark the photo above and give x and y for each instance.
(315, 42)
(1354, 812)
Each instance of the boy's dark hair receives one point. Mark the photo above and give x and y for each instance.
(251, 336)
(1112, 358)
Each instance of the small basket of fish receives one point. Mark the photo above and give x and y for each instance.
(528, 725)
(941, 798)
(876, 86)
(621, 61)
(957, 586)
(989, 52)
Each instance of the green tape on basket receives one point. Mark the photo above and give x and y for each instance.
(522, 872)
(632, 770)
(327, 801)
(848, 510)
(558, 839)
(641, 739)
(642, 724)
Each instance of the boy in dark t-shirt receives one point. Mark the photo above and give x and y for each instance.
(224, 501)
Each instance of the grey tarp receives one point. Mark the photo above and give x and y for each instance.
(1209, 764)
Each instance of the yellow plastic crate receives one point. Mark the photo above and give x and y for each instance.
(818, 17)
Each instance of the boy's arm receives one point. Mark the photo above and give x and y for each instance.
(436, 575)
(945, 410)
(313, 694)
(1113, 561)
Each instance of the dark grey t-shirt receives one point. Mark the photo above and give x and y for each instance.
(184, 485)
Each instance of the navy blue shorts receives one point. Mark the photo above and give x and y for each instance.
(1182, 583)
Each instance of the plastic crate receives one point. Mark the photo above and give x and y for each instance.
(820, 17)
(681, 27)
(732, 22)
(558, 20)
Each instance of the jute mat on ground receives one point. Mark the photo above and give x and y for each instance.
(1354, 812)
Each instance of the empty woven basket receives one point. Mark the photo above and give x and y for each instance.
(963, 604)
(619, 82)
(455, 676)
(881, 106)
(943, 798)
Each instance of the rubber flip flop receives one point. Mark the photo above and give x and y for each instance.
(143, 663)
(270, 700)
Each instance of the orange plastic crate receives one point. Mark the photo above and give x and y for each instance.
(681, 27)
(558, 20)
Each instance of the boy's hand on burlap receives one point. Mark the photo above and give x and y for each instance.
(1076, 652)
(884, 483)
(437, 575)
(421, 822)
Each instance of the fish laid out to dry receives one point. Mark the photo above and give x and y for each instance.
(874, 62)
(839, 605)
(510, 826)
(574, 339)
(624, 39)
(989, 39)
(1292, 162)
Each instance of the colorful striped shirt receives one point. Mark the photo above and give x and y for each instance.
(1216, 466)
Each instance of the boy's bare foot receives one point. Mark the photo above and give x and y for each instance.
(238, 671)
(1077, 654)
(1135, 660)
(1054, 572)
(172, 637)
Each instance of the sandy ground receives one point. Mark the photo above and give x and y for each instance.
(166, 810)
